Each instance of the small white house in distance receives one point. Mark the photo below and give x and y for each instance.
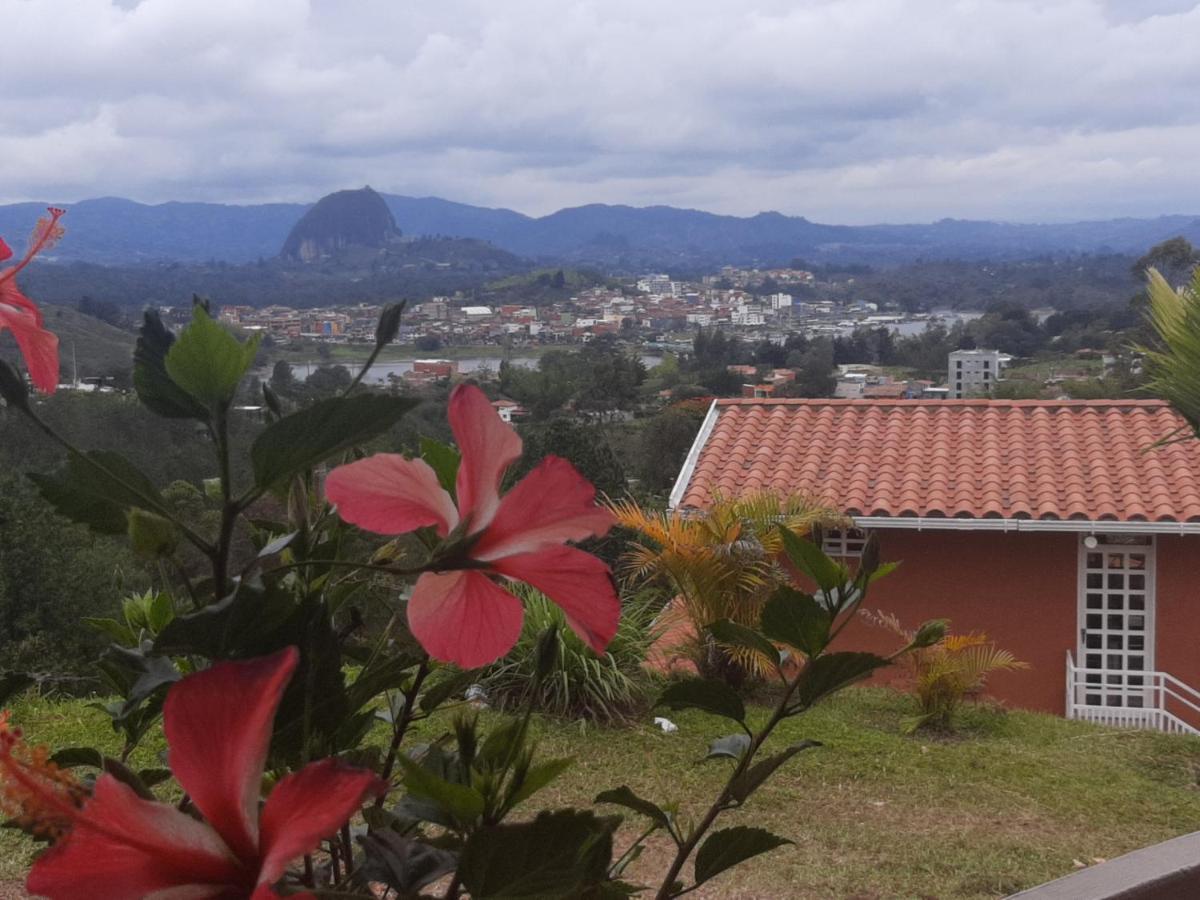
(974, 373)
(509, 411)
(474, 312)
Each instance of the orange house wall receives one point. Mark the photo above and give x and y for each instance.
(1019, 588)
(1022, 590)
(1177, 651)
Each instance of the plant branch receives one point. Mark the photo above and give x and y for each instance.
(406, 719)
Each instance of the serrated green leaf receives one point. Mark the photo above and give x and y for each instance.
(305, 438)
(828, 674)
(729, 847)
(97, 488)
(732, 746)
(796, 619)
(464, 804)
(811, 560)
(444, 460)
(624, 796)
(752, 779)
(565, 853)
(705, 694)
(154, 386)
(537, 777)
(208, 362)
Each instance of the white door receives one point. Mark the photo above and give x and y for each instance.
(1116, 621)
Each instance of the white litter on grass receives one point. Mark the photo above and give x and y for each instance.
(477, 696)
(666, 725)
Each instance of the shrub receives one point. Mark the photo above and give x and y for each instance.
(609, 688)
(946, 673)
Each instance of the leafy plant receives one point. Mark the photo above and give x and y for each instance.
(609, 687)
(947, 672)
(722, 565)
(809, 624)
(1174, 367)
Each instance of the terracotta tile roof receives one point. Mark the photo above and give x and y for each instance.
(1020, 459)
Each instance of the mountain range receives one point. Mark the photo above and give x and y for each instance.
(116, 231)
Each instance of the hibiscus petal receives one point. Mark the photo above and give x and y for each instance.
(5, 251)
(123, 846)
(578, 582)
(550, 505)
(389, 494)
(38, 346)
(307, 806)
(464, 617)
(218, 727)
(488, 447)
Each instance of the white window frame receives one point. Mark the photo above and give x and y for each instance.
(844, 543)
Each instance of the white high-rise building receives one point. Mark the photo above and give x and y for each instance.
(974, 373)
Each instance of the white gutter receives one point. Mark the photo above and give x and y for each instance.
(689, 464)
(1084, 526)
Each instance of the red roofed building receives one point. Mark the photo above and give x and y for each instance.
(1056, 527)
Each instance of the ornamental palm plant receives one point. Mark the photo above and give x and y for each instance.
(1174, 368)
(945, 673)
(723, 564)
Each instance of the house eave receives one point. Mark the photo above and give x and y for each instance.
(689, 464)
(1071, 526)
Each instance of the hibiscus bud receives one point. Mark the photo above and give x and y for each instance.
(546, 652)
(929, 634)
(272, 401)
(389, 323)
(12, 387)
(152, 535)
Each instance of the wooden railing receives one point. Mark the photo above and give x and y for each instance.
(1154, 700)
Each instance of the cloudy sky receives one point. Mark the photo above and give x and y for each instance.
(843, 111)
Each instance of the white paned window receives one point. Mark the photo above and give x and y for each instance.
(844, 543)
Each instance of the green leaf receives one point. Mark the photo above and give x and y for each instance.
(389, 323)
(444, 460)
(160, 611)
(13, 389)
(537, 777)
(565, 853)
(705, 694)
(239, 622)
(150, 379)
(305, 438)
(798, 620)
(929, 634)
(733, 634)
(382, 673)
(118, 631)
(624, 796)
(403, 864)
(151, 535)
(462, 803)
(809, 559)
(208, 362)
(446, 687)
(97, 489)
(827, 674)
(733, 746)
(752, 779)
(729, 847)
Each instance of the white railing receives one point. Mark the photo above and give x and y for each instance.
(1154, 700)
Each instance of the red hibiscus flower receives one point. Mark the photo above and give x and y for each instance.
(119, 846)
(461, 614)
(18, 313)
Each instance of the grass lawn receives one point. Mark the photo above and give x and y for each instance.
(1014, 799)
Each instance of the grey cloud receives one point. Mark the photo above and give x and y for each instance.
(860, 110)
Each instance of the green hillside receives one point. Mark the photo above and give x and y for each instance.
(99, 348)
